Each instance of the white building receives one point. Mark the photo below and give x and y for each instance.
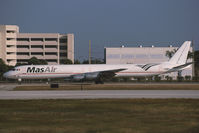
(18, 47)
(141, 55)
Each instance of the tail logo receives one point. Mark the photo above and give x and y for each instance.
(146, 66)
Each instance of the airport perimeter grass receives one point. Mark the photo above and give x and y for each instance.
(100, 116)
(113, 87)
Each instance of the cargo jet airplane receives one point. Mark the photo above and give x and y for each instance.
(99, 72)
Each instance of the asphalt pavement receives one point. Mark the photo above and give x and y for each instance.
(100, 94)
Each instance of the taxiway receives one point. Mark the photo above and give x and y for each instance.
(100, 94)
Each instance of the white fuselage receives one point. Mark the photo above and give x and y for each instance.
(64, 71)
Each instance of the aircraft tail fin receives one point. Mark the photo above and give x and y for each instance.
(180, 57)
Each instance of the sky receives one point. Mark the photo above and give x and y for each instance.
(107, 23)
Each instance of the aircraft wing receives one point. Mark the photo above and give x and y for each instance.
(180, 67)
(109, 73)
(97, 74)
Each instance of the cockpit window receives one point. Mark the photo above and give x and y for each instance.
(15, 69)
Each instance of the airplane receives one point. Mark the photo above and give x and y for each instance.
(99, 72)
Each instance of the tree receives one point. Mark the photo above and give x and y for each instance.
(85, 62)
(66, 61)
(43, 62)
(187, 77)
(196, 60)
(94, 61)
(180, 78)
(3, 68)
(190, 55)
(157, 78)
(35, 61)
(169, 54)
(168, 78)
(77, 62)
(20, 64)
(97, 61)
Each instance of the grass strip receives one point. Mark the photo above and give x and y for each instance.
(100, 116)
(114, 87)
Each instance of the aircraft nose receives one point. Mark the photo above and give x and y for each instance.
(5, 75)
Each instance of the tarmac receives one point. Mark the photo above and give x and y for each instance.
(100, 94)
(6, 92)
(7, 87)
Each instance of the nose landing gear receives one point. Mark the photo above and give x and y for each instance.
(19, 80)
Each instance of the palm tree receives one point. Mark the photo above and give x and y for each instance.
(170, 53)
(190, 55)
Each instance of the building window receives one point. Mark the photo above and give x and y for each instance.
(23, 46)
(22, 60)
(22, 53)
(36, 46)
(63, 47)
(127, 56)
(113, 56)
(9, 39)
(51, 60)
(63, 40)
(22, 39)
(10, 31)
(50, 53)
(37, 53)
(50, 46)
(51, 39)
(141, 56)
(9, 53)
(156, 56)
(8, 60)
(63, 54)
(8, 46)
(36, 39)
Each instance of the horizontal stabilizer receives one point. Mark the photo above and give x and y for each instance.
(177, 68)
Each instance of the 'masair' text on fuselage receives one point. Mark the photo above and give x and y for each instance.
(40, 69)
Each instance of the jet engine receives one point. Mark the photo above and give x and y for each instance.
(78, 77)
(85, 76)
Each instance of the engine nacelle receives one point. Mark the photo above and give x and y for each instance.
(91, 76)
(85, 76)
(78, 77)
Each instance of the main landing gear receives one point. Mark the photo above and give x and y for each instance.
(99, 82)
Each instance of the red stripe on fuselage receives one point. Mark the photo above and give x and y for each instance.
(83, 73)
